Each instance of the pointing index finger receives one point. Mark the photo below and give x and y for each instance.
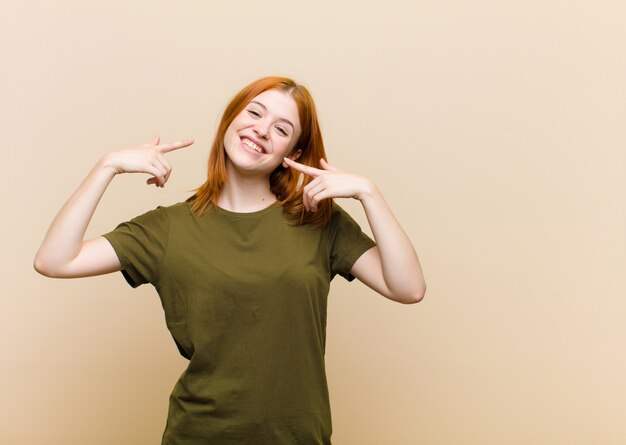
(307, 169)
(165, 148)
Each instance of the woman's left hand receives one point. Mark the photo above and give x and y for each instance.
(330, 182)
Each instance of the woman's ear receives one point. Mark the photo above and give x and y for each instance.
(293, 156)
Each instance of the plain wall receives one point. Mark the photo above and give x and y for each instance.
(495, 131)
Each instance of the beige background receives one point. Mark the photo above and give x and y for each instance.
(495, 131)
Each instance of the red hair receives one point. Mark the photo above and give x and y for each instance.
(283, 181)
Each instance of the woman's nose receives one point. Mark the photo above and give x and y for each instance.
(262, 129)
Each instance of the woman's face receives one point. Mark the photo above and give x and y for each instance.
(263, 133)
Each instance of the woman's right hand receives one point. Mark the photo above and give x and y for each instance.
(147, 158)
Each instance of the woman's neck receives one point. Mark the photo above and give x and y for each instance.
(246, 194)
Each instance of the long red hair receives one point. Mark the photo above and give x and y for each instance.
(283, 181)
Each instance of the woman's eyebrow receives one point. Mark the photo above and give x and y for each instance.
(282, 118)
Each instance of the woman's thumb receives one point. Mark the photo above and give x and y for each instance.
(155, 140)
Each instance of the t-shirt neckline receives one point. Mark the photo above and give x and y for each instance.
(223, 211)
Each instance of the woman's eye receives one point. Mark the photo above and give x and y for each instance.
(254, 113)
(282, 131)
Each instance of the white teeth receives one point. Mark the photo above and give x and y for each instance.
(252, 145)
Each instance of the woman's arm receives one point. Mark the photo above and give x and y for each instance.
(63, 253)
(64, 239)
(391, 267)
(393, 261)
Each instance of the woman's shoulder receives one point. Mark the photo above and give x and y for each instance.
(165, 212)
(337, 212)
(340, 218)
(177, 209)
(178, 206)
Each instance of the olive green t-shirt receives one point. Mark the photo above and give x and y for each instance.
(245, 298)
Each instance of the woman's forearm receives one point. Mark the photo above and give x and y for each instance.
(401, 267)
(65, 235)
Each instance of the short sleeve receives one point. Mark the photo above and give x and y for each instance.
(140, 245)
(348, 242)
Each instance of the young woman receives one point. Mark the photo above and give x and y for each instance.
(243, 267)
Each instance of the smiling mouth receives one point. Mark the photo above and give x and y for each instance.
(254, 147)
